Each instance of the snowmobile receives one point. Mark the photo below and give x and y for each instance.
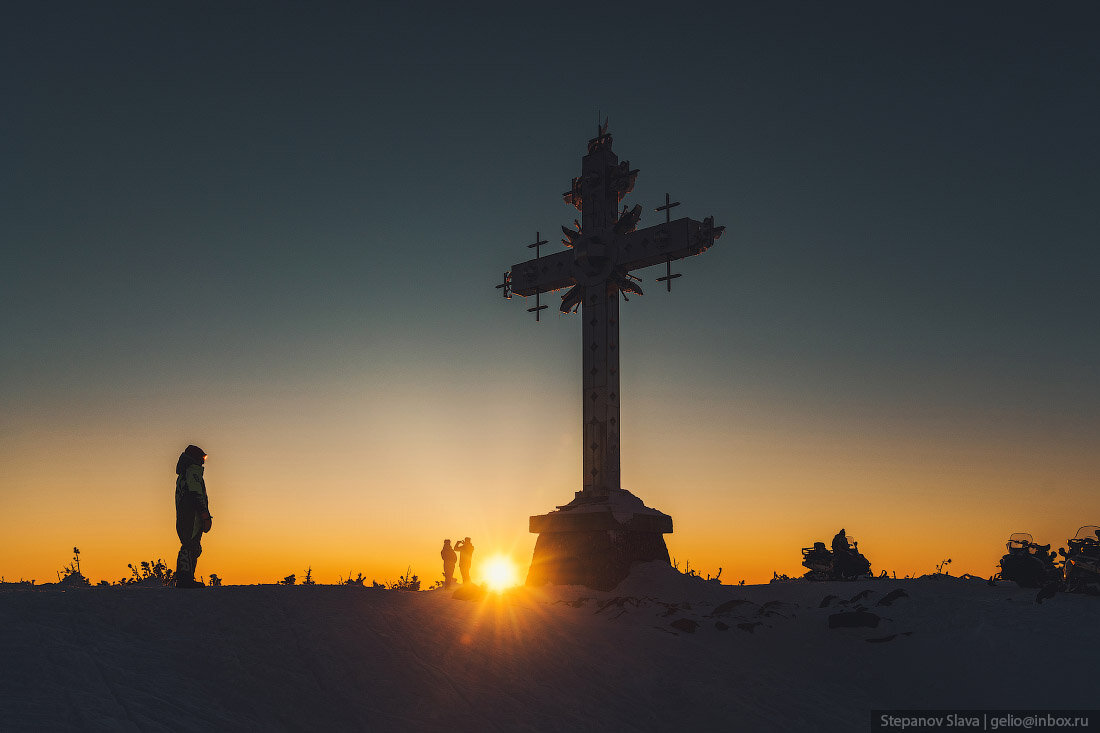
(1028, 564)
(1082, 561)
(824, 565)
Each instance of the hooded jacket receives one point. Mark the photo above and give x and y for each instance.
(190, 486)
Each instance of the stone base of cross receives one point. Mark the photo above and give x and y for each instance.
(594, 539)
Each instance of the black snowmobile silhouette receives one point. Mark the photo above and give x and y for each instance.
(1082, 562)
(1028, 564)
(825, 565)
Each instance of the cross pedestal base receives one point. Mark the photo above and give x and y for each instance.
(594, 541)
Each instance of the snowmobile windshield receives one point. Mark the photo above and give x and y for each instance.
(1020, 540)
(1088, 532)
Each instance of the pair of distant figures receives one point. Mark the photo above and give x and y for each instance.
(463, 553)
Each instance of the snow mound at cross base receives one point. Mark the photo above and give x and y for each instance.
(661, 580)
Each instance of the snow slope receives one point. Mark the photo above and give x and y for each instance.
(566, 658)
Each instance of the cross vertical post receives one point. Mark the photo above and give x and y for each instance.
(600, 414)
(600, 324)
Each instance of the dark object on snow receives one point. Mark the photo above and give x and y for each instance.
(1047, 591)
(673, 608)
(845, 562)
(826, 601)
(891, 637)
(1028, 564)
(892, 596)
(859, 596)
(776, 608)
(721, 625)
(685, 624)
(1083, 561)
(749, 625)
(618, 602)
(729, 607)
(853, 619)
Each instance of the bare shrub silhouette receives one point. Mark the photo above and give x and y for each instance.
(70, 574)
(357, 580)
(151, 572)
(688, 571)
(408, 581)
(16, 582)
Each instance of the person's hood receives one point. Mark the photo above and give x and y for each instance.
(191, 456)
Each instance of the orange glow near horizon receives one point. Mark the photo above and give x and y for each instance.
(372, 477)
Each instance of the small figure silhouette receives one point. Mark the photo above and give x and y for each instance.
(449, 558)
(192, 514)
(840, 543)
(844, 554)
(465, 555)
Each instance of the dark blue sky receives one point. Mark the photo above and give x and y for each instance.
(913, 182)
(246, 202)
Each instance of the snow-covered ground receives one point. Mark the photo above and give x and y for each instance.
(661, 652)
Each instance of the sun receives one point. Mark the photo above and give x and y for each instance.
(500, 573)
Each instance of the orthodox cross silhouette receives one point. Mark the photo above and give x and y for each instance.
(603, 249)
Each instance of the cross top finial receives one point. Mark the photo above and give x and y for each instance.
(602, 137)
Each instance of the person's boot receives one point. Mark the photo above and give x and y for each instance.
(189, 583)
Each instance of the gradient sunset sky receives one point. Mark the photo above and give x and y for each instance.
(273, 230)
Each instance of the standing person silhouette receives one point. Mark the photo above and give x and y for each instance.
(449, 558)
(465, 555)
(192, 514)
(841, 552)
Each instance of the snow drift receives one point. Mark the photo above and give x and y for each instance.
(662, 651)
